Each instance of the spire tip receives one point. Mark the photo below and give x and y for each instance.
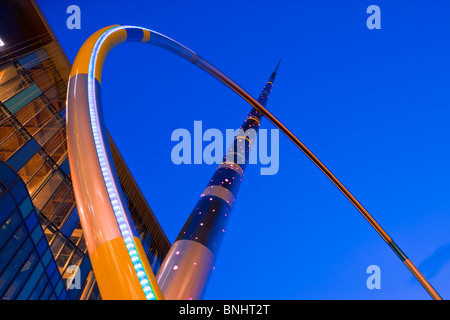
(278, 65)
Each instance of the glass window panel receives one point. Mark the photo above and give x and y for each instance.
(31, 222)
(12, 246)
(69, 224)
(64, 166)
(48, 130)
(55, 141)
(85, 268)
(31, 282)
(76, 258)
(4, 113)
(38, 121)
(36, 235)
(42, 245)
(65, 255)
(22, 98)
(23, 154)
(55, 277)
(54, 75)
(63, 295)
(47, 292)
(47, 190)
(7, 72)
(46, 258)
(51, 268)
(9, 227)
(57, 244)
(57, 200)
(7, 128)
(43, 221)
(61, 153)
(7, 205)
(20, 278)
(64, 210)
(39, 76)
(9, 146)
(39, 177)
(33, 59)
(82, 245)
(10, 81)
(76, 236)
(60, 105)
(39, 288)
(29, 111)
(19, 191)
(49, 233)
(58, 288)
(31, 167)
(7, 176)
(25, 207)
(11, 87)
(54, 99)
(15, 265)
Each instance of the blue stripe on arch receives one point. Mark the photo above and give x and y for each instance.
(134, 34)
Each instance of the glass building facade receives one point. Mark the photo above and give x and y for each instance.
(41, 240)
(28, 267)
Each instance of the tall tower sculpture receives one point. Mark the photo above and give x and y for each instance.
(186, 268)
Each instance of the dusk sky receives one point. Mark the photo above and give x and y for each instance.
(372, 104)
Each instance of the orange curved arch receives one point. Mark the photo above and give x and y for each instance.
(117, 257)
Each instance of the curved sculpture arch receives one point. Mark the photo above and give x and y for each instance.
(120, 265)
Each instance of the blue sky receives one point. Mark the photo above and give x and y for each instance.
(373, 105)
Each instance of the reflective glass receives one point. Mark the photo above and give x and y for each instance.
(25, 207)
(57, 200)
(22, 98)
(21, 276)
(7, 175)
(47, 131)
(23, 154)
(7, 205)
(19, 191)
(31, 167)
(35, 123)
(39, 288)
(29, 111)
(9, 146)
(10, 81)
(47, 190)
(9, 227)
(67, 205)
(31, 282)
(11, 247)
(18, 261)
(31, 222)
(47, 291)
(36, 234)
(39, 177)
(55, 142)
(7, 128)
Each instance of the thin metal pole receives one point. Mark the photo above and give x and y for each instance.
(423, 281)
